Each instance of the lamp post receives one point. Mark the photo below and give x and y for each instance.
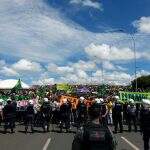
(135, 56)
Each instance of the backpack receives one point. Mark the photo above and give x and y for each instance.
(46, 110)
(97, 137)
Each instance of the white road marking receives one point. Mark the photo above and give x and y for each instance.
(46, 144)
(132, 145)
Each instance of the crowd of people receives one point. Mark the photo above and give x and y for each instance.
(90, 114)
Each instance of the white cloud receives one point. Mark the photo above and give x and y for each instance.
(88, 3)
(59, 69)
(2, 63)
(120, 78)
(8, 71)
(30, 29)
(81, 74)
(24, 65)
(107, 52)
(143, 24)
(46, 81)
(143, 73)
(82, 65)
(108, 65)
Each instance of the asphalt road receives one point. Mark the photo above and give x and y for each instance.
(59, 141)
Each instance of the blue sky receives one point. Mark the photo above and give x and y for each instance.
(49, 41)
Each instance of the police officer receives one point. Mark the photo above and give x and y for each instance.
(81, 112)
(117, 115)
(145, 123)
(104, 112)
(1, 111)
(46, 111)
(131, 115)
(93, 135)
(29, 118)
(65, 112)
(9, 114)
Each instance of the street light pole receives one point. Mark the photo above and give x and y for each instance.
(135, 61)
(135, 58)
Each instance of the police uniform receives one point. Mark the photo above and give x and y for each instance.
(46, 111)
(9, 113)
(145, 123)
(131, 117)
(29, 118)
(82, 113)
(117, 117)
(65, 112)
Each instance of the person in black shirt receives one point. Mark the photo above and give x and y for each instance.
(46, 111)
(9, 114)
(81, 112)
(93, 135)
(117, 116)
(145, 123)
(29, 117)
(65, 112)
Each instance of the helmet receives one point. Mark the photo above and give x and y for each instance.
(82, 99)
(8, 101)
(97, 100)
(146, 103)
(1, 100)
(131, 101)
(31, 102)
(101, 100)
(45, 99)
(117, 97)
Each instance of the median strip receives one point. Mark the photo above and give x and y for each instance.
(47, 144)
(131, 144)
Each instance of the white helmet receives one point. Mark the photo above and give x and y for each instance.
(117, 97)
(82, 98)
(1, 100)
(31, 102)
(97, 100)
(131, 101)
(45, 99)
(146, 103)
(9, 99)
(101, 100)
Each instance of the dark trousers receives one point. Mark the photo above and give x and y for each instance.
(118, 120)
(65, 120)
(74, 115)
(131, 119)
(29, 121)
(146, 137)
(46, 122)
(104, 121)
(9, 122)
(82, 118)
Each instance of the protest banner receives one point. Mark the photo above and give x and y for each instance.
(136, 96)
(65, 87)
